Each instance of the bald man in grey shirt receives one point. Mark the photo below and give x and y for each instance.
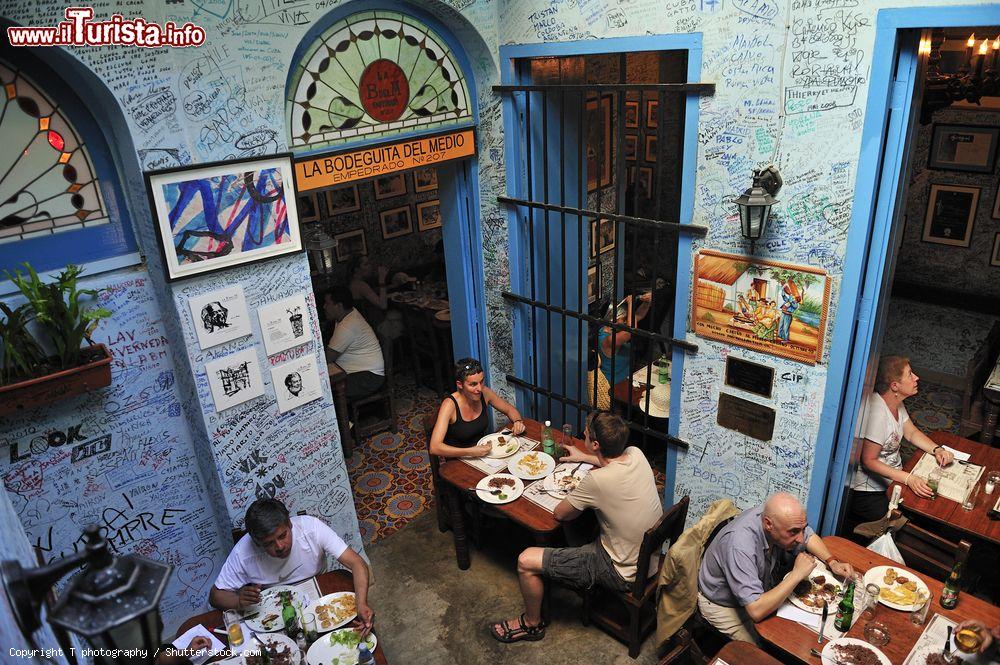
(739, 580)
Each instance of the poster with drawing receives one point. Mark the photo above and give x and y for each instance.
(220, 316)
(296, 383)
(776, 308)
(284, 324)
(235, 379)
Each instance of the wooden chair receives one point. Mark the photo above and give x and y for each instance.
(639, 616)
(439, 499)
(928, 552)
(382, 396)
(427, 348)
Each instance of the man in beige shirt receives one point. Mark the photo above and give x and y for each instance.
(622, 492)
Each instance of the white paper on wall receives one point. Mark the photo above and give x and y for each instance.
(296, 383)
(235, 379)
(283, 324)
(220, 316)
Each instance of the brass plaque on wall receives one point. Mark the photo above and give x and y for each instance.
(750, 376)
(747, 417)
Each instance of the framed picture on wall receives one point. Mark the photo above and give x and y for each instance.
(605, 234)
(425, 180)
(387, 186)
(396, 222)
(652, 113)
(631, 142)
(598, 119)
(207, 218)
(951, 211)
(632, 114)
(351, 243)
(593, 288)
(645, 183)
(429, 215)
(342, 199)
(593, 238)
(996, 203)
(308, 210)
(995, 254)
(650, 155)
(963, 148)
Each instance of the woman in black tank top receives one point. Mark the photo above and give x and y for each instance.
(463, 418)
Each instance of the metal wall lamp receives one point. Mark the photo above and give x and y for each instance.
(756, 202)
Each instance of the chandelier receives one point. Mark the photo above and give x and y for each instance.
(977, 76)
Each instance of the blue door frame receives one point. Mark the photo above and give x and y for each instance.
(883, 158)
(517, 182)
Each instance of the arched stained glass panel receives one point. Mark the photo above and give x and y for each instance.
(47, 181)
(375, 74)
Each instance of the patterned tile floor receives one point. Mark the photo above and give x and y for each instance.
(390, 473)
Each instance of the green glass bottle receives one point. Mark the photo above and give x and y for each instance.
(949, 595)
(289, 615)
(845, 610)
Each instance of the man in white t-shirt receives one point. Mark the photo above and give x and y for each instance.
(621, 490)
(278, 549)
(354, 345)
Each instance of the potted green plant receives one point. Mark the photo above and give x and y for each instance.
(30, 377)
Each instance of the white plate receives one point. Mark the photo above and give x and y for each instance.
(323, 652)
(498, 450)
(830, 655)
(551, 483)
(270, 603)
(483, 489)
(272, 638)
(875, 576)
(515, 467)
(820, 569)
(443, 315)
(326, 600)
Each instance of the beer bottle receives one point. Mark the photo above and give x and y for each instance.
(288, 615)
(845, 610)
(949, 595)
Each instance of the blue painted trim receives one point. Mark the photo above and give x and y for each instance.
(866, 253)
(89, 270)
(685, 247)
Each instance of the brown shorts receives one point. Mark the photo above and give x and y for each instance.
(582, 567)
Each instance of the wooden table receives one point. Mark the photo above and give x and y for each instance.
(991, 404)
(796, 640)
(459, 477)
(330, 582)
(338, 383)
(974, 522)
(742, 653)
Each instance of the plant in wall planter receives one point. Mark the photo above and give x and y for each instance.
(53, 318)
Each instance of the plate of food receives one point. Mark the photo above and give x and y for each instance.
(333, 610)
(443, 315)
(499, 488)
(338, 648)
(851, 651)
(531, 465)
(281, 650)
(265, 616)
(820, 586)
(405, 297)
(901, 589)
(502, 445)
(565, 478)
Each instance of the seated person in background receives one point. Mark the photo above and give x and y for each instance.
(884, 425)
(371, 298)
(621, 490)
(278, 549)
(354, 345)
(616, 348)
(739, 582)
(463, 419)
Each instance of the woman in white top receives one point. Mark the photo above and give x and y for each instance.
(885, 424)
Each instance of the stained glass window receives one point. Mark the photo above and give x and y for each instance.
(47, 181)
(375, 74)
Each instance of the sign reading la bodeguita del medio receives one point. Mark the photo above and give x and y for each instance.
(344, 167)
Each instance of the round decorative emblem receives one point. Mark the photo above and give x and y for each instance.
(384, 90)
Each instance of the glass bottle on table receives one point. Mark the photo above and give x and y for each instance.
(845, 609)
(365, 656)
(288, 615)
(548, 444)
(567, 439)
(663, 369)
(949, 594)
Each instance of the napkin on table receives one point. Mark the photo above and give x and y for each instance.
(184, 640)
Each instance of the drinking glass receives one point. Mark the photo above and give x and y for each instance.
(933, 480)
(871, 592)
(309, 627)
(233, 628)
(919, 613)
(877, 633)
(973, 494)
(968, 639)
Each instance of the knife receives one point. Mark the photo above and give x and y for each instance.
(822, 623)
(947, 646)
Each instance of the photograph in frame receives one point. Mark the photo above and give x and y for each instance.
(606, 234)
(429, 215)
(284, 324)
(425, 179)
(296, 383)
(220, 316)
(951, 211)
(632, 114)
(308, 210)
(350, 244)
(963, 148)
(388, 186)
(995, 255)
(593, 288)
(631, 146)
(652, 110)
(645, 183)
(224, 214)
(996, 203)
(650, 154)
(396, 222)
(342, 200)
(234, 379)
(594, 239)
(598, 119)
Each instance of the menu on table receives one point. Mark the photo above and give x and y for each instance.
(957, 480)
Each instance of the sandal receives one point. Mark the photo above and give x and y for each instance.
(517, 633)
